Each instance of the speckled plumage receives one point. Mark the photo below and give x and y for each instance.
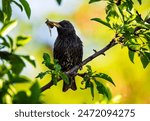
(68, 50)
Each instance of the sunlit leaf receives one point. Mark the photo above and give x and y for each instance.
(92, 1)
(26, 7)
(30, 59)
(105, 76)
(22, 40)
(118, 11)
(8, 27)
(101, 21)
(6, 8)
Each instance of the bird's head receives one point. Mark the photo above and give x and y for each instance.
(64, 27)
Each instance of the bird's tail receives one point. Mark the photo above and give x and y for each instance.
(72, 84)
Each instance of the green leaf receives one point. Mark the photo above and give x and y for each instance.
(57, 68)
(4, 42)
(64, 77)
(5, 55)
(92, 89)
(46, 58)
(20, 79)
(89, 69)
(105, 76)
(92, 1)
(30, 59)
(8, 27)
(42, 74)
(102, 89)
(54, 78)
(3, 70)
(131, 55)
(147, 55)
(145, 58)
(101, 21)
(1, 16)
(21, 98)
(59, 1)
(20, 6)
(129, 4)
(147, 16)
(35, 93)
(26, 7)
(17, 64)
(87, 82)
(109, 95)
(140, 1)
(118, 11)
(6, 8)
(11, 42)
(22, 40)
(47, 61)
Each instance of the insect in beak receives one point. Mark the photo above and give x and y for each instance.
(51, 24)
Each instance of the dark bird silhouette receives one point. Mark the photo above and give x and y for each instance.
(68, 49)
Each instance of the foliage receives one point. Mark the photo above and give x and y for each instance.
(132, 31)
(91, 77)
(12, 64)
(54, 69)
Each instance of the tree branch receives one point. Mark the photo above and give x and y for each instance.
(90, 58)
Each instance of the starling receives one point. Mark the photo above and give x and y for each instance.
(68, 49)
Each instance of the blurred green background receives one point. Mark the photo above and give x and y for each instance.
(132, 81)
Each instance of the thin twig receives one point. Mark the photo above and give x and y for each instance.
(90, 58)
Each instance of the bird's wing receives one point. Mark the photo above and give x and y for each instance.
(79, 52)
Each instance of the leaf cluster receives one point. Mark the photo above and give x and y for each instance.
(54, 69)
(92, 79)
(131, 30)
(12, 64)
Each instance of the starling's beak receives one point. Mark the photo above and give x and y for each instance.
(51, 24)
